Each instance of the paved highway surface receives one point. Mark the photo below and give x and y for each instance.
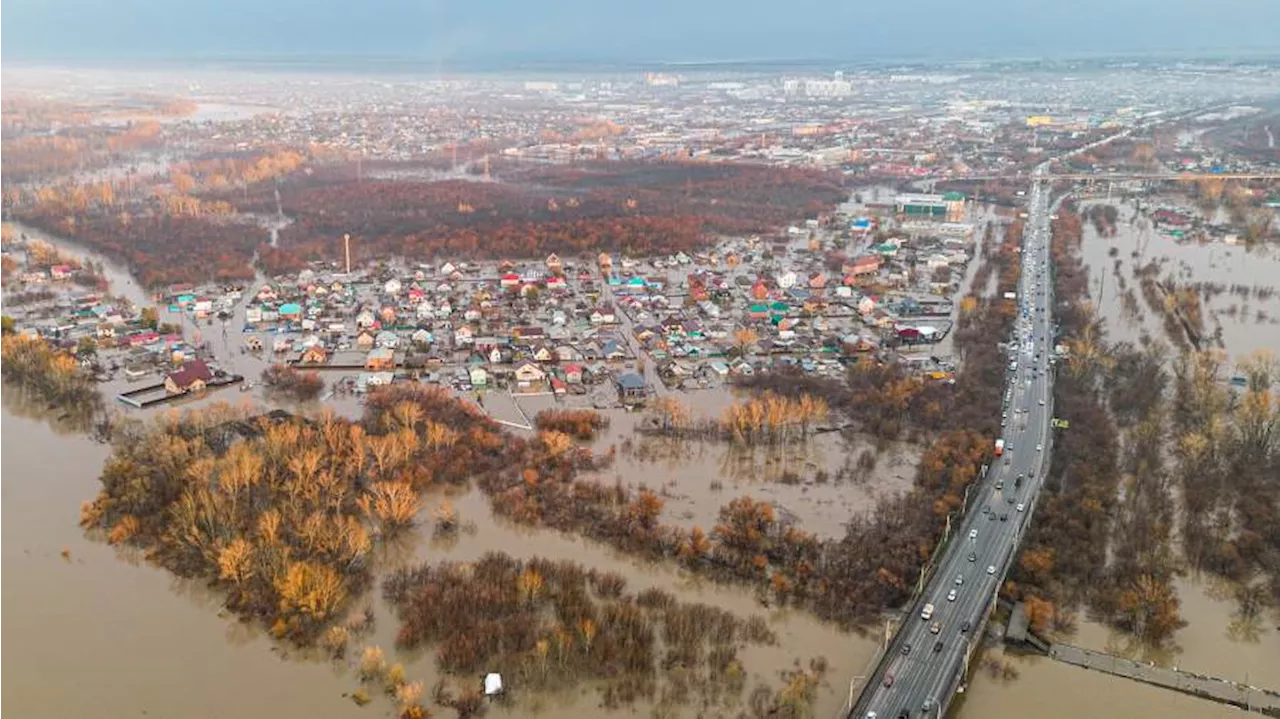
(922, 667)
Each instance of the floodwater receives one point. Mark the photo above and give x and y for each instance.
(1215, 642)
(132, 639)
(1219, 263)
(697, 478)
(1047, 689)
(101, 633)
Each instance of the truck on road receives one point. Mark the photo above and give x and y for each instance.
(1000, 446)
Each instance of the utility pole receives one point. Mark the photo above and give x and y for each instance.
(346, 246)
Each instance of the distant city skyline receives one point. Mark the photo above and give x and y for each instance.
(569, 31)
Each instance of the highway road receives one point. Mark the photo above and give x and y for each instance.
(922, 668)
(923, 664)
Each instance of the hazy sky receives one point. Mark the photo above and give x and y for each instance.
(642, 30)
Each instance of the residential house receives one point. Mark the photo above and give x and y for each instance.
(289, 311)
(463, 335)
(554, 264)
(193, 376)
(568, 353)
(862, 265)
(605, 262)
(573, 373)
(366, 381)
(479, 376)
(381, 359)
(632, 387)
(391, 287)
(387, 339)
(543, 353)
(365, 341)
(315, 354)
(528, 373)
(421, 337)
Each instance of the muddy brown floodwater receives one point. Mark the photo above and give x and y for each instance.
(1047, 689)
(101, 633)
(1188, 262)
(1215, 641)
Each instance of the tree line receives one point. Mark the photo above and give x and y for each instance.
(629, 207)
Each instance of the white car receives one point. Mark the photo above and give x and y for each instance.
(951, 595)
(991, 569)
(973, 534)
(1021, 506)
(959, 579)
(1039, 447)
(1041, 401)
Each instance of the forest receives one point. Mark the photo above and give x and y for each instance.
(159, 248)
(278, 511)
(1227, 447)
(547, 625)
(51, 375)
(629, 207)
(281, 513)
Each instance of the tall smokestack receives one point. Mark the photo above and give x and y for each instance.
(346, 245)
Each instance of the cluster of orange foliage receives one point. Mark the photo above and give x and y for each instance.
(549, 624)
(279, 511)
(636, 208)
(217, 174)
(581, 424)
(51, 374)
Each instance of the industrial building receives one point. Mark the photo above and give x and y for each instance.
(944, 208)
